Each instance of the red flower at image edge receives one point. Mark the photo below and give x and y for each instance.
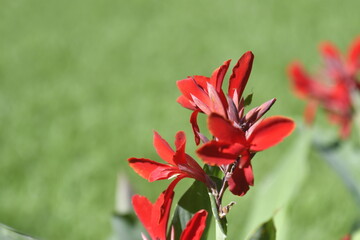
(155, 217)
(332, 88)
(179, 164)
(231, 142)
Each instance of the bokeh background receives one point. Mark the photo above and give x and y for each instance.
(84, 83)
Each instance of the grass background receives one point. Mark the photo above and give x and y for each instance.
(84, 83)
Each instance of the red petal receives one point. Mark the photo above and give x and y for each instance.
(329, 50)
(165, 173)
(202, 106)
(256, 113)
(239, 182)
(186, 103)
(249, 176)
(155, 216)
(160, 213)
(145, 167)
(305, 86)
(201, 80)
(163, 149)
(180, 142)
(195, 126)
(218, 75)
(354, 55)
(216, 103)
(224, 130)
(193, 170)
(143, 209)
(270, 132)
(241, 73)
(195, 227)
(189, 88)
(301, 81)
(219, 153)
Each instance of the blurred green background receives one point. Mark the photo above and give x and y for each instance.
(84, 84)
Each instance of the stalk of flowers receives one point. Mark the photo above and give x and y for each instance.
(332, 87)
(237, 136)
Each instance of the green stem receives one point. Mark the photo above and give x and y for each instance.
(220, 223)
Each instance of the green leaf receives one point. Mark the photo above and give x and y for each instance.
(266, 231)
(248, 100)
(7, 233)
(193, 200)
(126, 226)
(281, 185)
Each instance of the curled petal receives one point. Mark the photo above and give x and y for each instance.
(224, 130)
(163, 148)
(195, 227)
(240, 75)
(180, 142)
(195, 126)
(218, 75)
(270, 132)
(219, 153)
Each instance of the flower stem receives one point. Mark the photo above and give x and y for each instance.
(220, 223)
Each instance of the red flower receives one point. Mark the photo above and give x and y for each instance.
(332, 88)
(233, 141)
(179, 164)
(155, 217)
(203, 94)
(238, 136)
(346, 237)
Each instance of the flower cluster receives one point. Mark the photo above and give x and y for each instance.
(332, 87)
(236, 137)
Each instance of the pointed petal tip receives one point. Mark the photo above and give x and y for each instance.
(270, 132)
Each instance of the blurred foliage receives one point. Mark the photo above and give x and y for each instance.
(84, 83)
(266, 231)
(7, 233)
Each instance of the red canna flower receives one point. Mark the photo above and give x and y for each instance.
(179, 164)
(204, 94)
(332, 88)
(238, 136)
(232, 141)
(155, 217)
(346, 237)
